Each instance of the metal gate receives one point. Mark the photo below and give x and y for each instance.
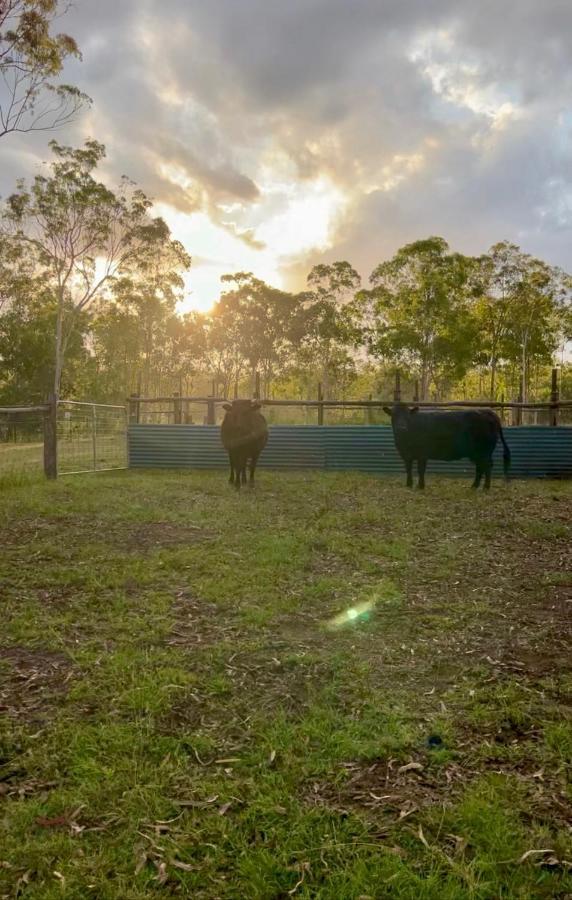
(92, 437)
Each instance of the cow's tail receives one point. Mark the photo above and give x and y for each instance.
(506, 455)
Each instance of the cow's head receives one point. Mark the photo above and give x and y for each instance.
(401, 415)
(239, 410)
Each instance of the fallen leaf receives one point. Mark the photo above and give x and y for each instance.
(141, 863)
(533, 853)
(406, 812)
(225, 808)
(305, 867)
(162, 875)
(410, 767)
(185, 867)
(272, 757)
(196, 804)
(422, 837)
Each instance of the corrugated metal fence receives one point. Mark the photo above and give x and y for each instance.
(537, 452)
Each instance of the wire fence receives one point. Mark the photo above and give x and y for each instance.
(92, 437)
(21, 441)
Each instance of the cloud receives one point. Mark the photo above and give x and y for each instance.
(323, 129)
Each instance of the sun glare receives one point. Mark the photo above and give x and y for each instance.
(288, 220)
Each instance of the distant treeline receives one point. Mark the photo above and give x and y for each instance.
(90, 284)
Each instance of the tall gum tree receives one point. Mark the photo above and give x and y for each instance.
(32, 58)
(418, 311)
(84, 235)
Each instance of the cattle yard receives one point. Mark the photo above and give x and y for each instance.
(330, 687)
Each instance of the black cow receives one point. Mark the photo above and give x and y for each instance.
(244, 434)
(453, 434)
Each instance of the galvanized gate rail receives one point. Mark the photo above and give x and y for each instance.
(537, 451)
(91, 437)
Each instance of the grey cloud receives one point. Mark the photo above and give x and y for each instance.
(332, 85)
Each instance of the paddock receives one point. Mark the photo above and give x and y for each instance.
(330, 686)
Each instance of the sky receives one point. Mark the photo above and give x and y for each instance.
(276, 134)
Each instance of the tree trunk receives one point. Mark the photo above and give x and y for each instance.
(524, 367)
(58, 366)
(493, 378)
(424, 381)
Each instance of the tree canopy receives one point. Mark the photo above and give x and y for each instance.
(32, 57)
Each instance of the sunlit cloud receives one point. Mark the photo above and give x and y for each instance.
(381, 124)
(289, 219)
(461, 80)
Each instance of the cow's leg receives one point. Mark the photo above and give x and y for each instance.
(231, 479)
(488, 467)
(253, 462)
(478, 474)
(421, 467)
(236, 466)
(244, 472)
(409, 471)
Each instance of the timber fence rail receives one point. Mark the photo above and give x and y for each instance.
(203, 410)
(206, 410)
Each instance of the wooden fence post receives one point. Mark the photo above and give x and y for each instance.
(519, 400)
(369, 411)
(177, 408)
(257, 385)
(416, 391)
(321, 406)
(554, 398)
(134, 408)
(397, 389)
(51, 438)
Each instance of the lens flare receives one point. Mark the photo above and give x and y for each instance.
(360, 612)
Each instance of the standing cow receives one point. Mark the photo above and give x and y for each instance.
(244, 434)
(454, 434)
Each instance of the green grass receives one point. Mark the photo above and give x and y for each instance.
(22, 461)
(218, 696)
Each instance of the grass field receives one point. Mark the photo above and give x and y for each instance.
(74, 454)
(330, 687)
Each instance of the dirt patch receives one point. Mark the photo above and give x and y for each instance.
(387, 788)
(392, 791)
(198, 623)
(134, 537)
(268, 678)
(156, 536)
(32, 682)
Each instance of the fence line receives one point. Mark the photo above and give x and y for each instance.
(180, 406)
(21, 440)
(90, 404)
(23, 409)
(365, 404)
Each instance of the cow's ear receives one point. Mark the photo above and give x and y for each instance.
(227, 406)
(414, 409)
(255, 405)
(387, 409)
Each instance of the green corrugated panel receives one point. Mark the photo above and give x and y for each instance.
(537, 452)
